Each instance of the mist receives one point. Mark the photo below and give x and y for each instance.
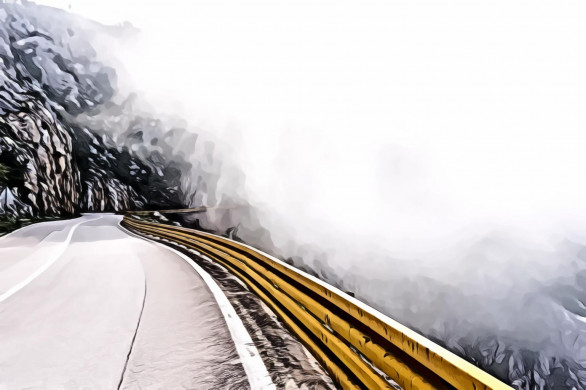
(427, 156)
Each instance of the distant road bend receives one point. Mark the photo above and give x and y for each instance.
(84, 304)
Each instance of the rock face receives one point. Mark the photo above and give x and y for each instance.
(38, 153)
(53, 162)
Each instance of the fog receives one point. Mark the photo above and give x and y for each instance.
(430, 155)
(431, 115)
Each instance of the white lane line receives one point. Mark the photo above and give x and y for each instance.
(255, 369)
(19, 286)
(34, 224)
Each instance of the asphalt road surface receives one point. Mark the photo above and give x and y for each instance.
(84, 305)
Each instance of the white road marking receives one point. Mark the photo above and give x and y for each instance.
(256, 371)
(19, 286)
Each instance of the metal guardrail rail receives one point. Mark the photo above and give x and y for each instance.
(358, 345)
(201, 209)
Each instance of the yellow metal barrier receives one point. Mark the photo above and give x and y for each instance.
(355, 343)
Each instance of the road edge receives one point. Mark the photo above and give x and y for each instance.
(255, 369)
(31, 277)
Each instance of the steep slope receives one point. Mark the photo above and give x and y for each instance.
(54, 92)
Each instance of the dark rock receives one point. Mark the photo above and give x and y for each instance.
(59, 164)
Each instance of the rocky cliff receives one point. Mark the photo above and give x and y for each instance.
(53, 162)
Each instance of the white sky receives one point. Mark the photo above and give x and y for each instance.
(423, 117)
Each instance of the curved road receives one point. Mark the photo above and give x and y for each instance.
(84, 305)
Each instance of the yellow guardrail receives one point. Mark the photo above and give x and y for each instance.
(358, 345)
